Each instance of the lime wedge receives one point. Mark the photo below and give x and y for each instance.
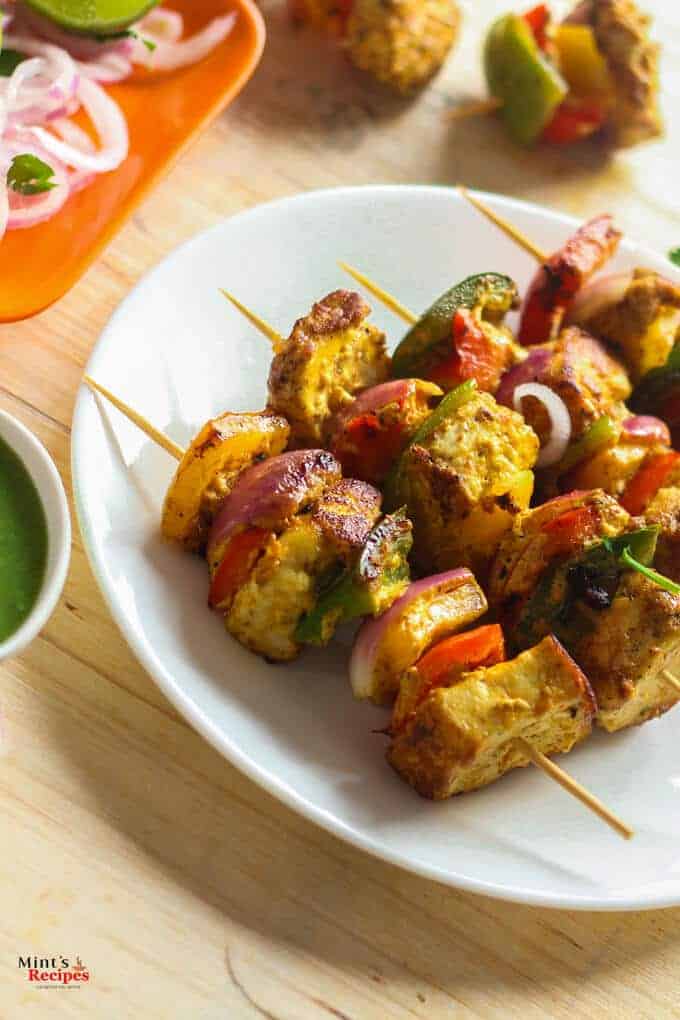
(92, 17)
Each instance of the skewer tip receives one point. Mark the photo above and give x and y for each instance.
(275, 339)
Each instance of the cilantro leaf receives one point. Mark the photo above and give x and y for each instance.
(663, 582)
(674, 256)
(28, 175)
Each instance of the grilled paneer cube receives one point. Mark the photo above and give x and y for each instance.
(402, 42)
(285, 581)
(631, 653)
(622, 35)
(581, 372)
(466, 736)
(465, 482)
(222, 449)
(644, 324)
(331, 355)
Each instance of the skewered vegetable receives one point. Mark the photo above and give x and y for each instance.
(468, 735)
(558, 280)
(371, 433)
(462, 335)
(429, 610)
(443, 666)
(596, 73)
(223, 448)
(331, 355)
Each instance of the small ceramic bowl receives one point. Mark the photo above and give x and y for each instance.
(40, 467)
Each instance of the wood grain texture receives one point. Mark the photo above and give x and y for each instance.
(124, 838)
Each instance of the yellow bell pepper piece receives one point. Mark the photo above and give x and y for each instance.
(580, 61)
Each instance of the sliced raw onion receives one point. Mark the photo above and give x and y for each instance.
(110, 125)
(560, 421)
(529, 370)
(168, 56)
(60, 74)
(604, 292)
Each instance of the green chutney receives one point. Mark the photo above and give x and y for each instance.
(23, 542)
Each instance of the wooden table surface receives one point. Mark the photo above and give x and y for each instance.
(124, 838)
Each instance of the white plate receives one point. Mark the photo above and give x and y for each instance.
(179, 354)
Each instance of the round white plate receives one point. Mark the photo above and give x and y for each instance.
(178, 353)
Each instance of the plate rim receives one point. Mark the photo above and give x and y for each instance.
(197, 718)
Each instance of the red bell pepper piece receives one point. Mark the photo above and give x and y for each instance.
(474, 355)
(557, 282)
(570, 530)
(367, 448)
(484, 646)
(538, 19)
(646, 482)
(574, 120)
(237, 562)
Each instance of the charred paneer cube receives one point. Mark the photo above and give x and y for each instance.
(664, 511)
(468, 735)
(465, 482)
(289, 575)
(331, 355)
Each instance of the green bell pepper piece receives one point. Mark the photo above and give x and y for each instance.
(454, 399)
(381, 576)
(601, 434)
(658, 385)
(492, 293)
(520, 76)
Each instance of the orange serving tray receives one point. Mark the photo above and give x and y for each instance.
(164, 112)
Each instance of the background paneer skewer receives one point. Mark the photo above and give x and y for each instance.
(594, 74)
(553, 771)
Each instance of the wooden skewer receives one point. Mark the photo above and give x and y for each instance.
(158, 437)
(540, 760)
(512, 232)
(476, 108)
(276, 340)
(575, 789)
(671, 679)
(382, 295)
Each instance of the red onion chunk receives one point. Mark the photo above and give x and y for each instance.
(604, 292)
(268, 494)
(530, 370)
(645, 428)
(385, 647)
